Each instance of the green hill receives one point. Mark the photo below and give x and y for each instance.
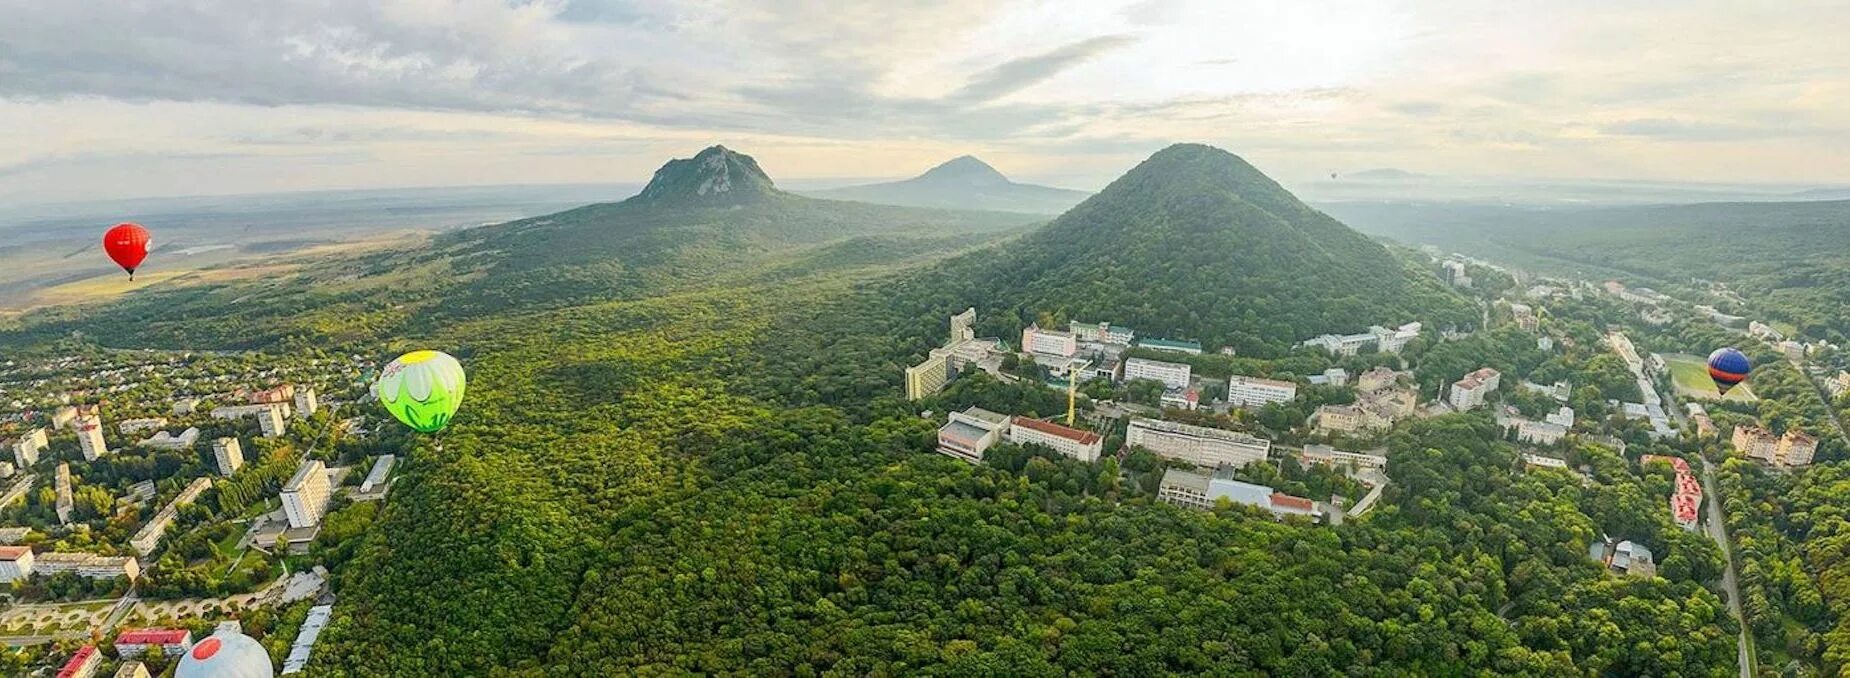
(963, 182)
(1195, 243)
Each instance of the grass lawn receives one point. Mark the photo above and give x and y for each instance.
(1691, 376)
(228, 547)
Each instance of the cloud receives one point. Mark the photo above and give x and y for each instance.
(1013, 75)
(1699, 130)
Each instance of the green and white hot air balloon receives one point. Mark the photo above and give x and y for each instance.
(422, 389)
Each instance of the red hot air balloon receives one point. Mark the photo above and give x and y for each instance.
(127, 244)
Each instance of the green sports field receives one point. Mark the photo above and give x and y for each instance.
(1691, 376)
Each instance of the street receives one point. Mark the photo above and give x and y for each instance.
(1719, 532)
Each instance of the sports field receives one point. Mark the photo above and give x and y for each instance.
(1691, 376)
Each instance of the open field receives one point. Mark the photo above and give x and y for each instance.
(1691, 376)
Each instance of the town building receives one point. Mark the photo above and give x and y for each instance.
(1563, 417)
(306, 404)
(305, 496)
(1201, 492)
(128, 426)
(1792, 350)
(1545, 343)
(1172, 345)
(1525, 317)
(970, 433)
(1539, 461)
(1079, 444)
(1455, 274)
(1102, 333)
(241, 411)
(304, 644)
(15, 563)
(1244, 391)
(1376, 379)
(86, 565)
(963, 326)
(133, 669)
(1173, 375)
(64, 416)
(13, 535)
(1348, 419)
(280, 394)
(1686, 499)
(136, 642)
(149, 537)
(1764, 331)
(1334, 376)
(90, 437)
(163, 440)
(84, 664)
(62, 487)
(185, 406)
(1540, 432)
(1198, 445)
(382, 469)
(1180, 399)
(270, 420)
(1330, 456)
(1049, 342)
(1471, 391)
(27, 446)
(1795, 448)
(229, 455)
(1626, 557)
(928, 377)
(1839, 385)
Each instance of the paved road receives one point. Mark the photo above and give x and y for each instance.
(1718, 530)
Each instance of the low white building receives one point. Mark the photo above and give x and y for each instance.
(166, 441)
(1083, 445)
(128, 426)
(1201, 492)
(1540, 432)
(382, 469)
(15, 563)
(1173, 375)
(88, 565)
(1243, 391)
(1330, 456)
(970, 433)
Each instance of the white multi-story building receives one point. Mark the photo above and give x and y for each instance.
(149, 537)
(1198, 445)
(305, 496)
(1083, 445)
(382, 469)
(969, 433)
(15, 563)
(1471, 391)
(90, 437)
(62, 490)
(1173, 375)
(1794, 351)
(128, 426)
(963, 326)
(1245, 391)
(1349, 419)
(1049, 342)
(270, 420)
(27, 447)
(1540, 432)
(1102, 333)
(1330, 456)
(229, 455)
(1564, 417)
(306, 404)
(86, 565)
(64, 416)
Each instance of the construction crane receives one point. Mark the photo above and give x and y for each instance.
(1072, 387)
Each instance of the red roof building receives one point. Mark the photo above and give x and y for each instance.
(1687, 498)
(134, 642)
(1082, 445)
(83, 664)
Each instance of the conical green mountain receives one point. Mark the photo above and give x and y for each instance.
(1195, 243)
(717, 176)
(963, 182)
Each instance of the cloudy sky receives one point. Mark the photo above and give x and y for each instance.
(126, 98)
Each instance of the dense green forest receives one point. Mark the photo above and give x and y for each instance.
(714, 471)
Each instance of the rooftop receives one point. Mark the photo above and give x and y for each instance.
(962, 432)
(1169, 343)
(1242, 379)
(154, 636)
(301, 474)
(12, 553)
(1076, 435)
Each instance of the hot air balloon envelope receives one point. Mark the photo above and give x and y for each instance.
(127, 245)
(422, 389)
(1728, 367)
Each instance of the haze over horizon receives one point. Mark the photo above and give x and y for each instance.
(234, 99)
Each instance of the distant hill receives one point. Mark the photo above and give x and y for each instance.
(962, 183)
(1194, 243)
(1797, 252)
(696, 216)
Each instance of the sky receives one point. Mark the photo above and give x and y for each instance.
(104, 99)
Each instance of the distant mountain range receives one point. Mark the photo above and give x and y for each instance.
(963, 182)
